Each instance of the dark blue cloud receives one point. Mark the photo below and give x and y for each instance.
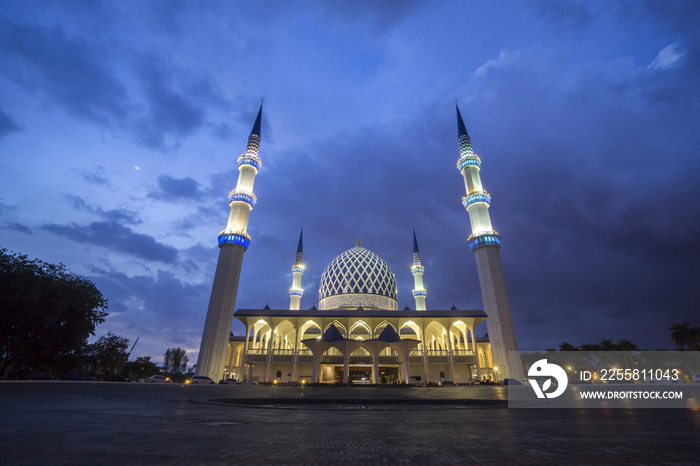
(70, 71)
(170, 111)
(175, 189)
(565, 13)
(95, 176)
(378, 16)
(115, 236)
(4, 208)
(7, 124)
(154, 306)
(75, 73)
(18, 227)
(124, 216)
(204, 215)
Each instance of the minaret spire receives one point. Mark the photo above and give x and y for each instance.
(258, 121)
(300, 246)
(296, 291)
(485, 243)
(465, 143)
(417, 269)
(233, 242)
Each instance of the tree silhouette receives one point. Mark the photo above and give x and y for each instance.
(108, 354)
(175, 360)
(47, 314)
(603, 345)
(685, 336)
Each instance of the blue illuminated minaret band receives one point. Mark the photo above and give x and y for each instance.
(233, 243)
(419, 292)
(485, 243)
(296, 291)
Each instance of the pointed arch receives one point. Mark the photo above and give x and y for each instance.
(310, 329)
(285, 335)
(340, 326)
(378, 329)
(360, 330)
(412, 326)
(436, 336)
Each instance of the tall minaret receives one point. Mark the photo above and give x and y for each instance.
(485, 243)
(233, 242)
(417, 268)
(296, 291)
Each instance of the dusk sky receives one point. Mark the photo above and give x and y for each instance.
(121, 122)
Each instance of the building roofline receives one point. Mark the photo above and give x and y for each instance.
(366, 313)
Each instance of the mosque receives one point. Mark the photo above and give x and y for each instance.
(357, 334)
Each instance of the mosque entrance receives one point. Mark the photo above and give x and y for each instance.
(359, 374)
(362, 374)
(388, 374)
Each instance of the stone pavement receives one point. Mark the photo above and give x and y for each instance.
(112, 423)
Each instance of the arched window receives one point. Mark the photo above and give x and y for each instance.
(442, 374)
(279, 374)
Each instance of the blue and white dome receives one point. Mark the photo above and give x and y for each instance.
(357, 277)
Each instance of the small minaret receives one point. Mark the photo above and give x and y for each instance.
(296, 291)
(419, 292)
(485, 243)
(233, 242)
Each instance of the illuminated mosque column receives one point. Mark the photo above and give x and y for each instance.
(297, 337)
(296, 291)
(233, 242)
(419, 292)
(485, 244)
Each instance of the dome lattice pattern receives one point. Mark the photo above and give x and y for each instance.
(357, 270)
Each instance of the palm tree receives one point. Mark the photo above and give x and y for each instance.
(566, 346)
(685, 336)
(607, 345)
(625, 345)
(590, 347)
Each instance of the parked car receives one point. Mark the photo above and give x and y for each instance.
(696, 378)
(487, 382)
(512, 382)
(197, 379)
(76, 375)
(248, 382)
(447, 383)
(228, 382)
(114, 378)
(158, 379)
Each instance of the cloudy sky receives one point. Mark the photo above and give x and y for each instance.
(121, 121)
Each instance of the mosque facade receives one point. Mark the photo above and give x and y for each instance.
(357, 334)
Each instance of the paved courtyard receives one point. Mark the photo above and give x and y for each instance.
(112, 423)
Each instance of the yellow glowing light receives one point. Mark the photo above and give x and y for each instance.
(496, 369)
